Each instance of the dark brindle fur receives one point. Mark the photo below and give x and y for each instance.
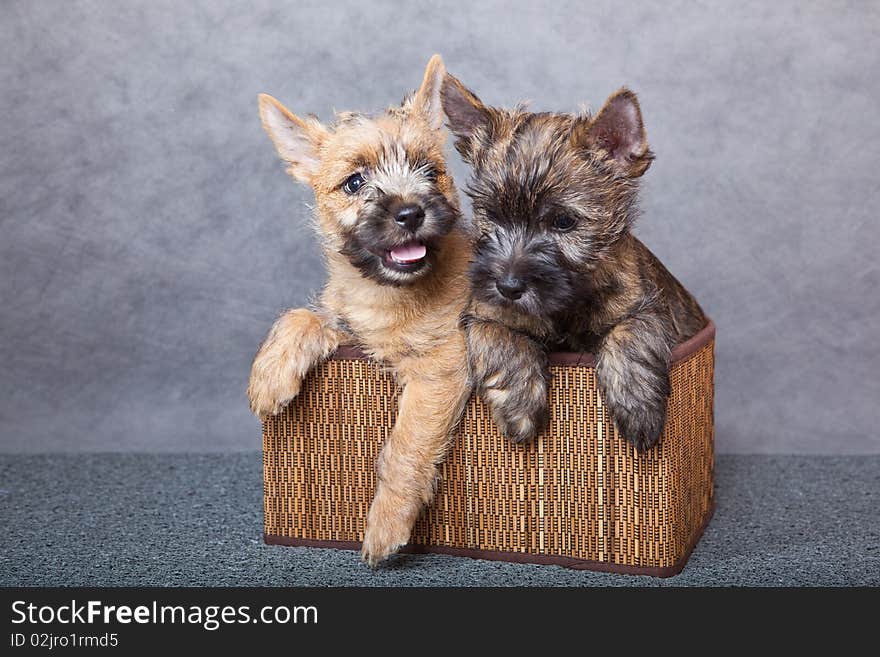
(556, 266)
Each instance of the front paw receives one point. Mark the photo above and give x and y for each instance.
(389, 524)
(520, 409)
(272, 385)
(643, 427)
(633, 378)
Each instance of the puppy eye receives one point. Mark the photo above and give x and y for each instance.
(353, 183)
(563, 223)
(431, 174)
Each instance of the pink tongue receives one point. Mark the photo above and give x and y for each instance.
(409, 252)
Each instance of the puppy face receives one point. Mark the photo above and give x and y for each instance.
(384, 197)
(551, 193)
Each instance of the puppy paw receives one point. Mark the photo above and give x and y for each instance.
(511, 374)
(519, 403)
(519, 418)
(381, 543)
(273, 383)
(388, 529)
(642, 427)
(632, 373)
(271, 388)
(298, 340)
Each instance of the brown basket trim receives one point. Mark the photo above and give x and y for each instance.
(689, 347)
(516, 557)
(571, 358)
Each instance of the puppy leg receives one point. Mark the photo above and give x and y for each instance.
(298, 340)
(511, 374)
(632, 371)
(429, 408)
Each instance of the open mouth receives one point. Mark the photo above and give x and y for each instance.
(406, 257)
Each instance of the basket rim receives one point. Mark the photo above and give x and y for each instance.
(573, 358)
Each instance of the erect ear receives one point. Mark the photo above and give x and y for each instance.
(618, 134)
(427, 98)
(465, 112)
(296, 140)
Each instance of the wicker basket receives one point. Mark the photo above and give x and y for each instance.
(579, 496)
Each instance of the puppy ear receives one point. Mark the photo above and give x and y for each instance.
(296, 140)
(427, 98)
(618, 134)
(466, 114)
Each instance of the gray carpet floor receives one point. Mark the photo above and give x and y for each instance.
(193, 520)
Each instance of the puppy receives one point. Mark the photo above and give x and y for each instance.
(556, 266)
(386, 214)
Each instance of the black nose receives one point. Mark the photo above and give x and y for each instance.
(511, 287)
(410, 216)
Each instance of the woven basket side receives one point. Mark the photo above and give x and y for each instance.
(579, 491)
(319, 454)
(662, 498)
(544, 498)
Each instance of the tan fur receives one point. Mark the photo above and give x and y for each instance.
(412, 329)
(298, 340)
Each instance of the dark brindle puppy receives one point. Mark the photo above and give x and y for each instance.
(556, 266)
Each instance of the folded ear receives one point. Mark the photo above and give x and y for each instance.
(466, 113)
(427, 98)
(296, 140)
(618, 134)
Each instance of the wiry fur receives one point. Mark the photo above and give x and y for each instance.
(592, 287)
(406, 319)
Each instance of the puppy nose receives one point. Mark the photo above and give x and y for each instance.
(511, 287)
(410, 216)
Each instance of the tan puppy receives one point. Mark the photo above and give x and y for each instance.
(386, 215)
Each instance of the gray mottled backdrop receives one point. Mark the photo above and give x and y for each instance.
(148, 236)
